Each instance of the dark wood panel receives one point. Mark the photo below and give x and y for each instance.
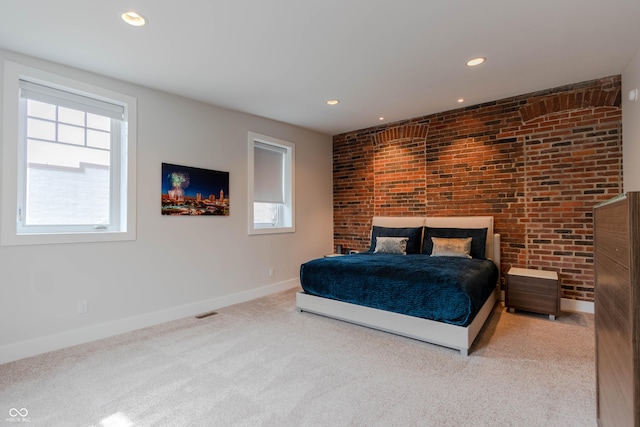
(532, 285)
(613, 297)
(616, 311)
(634, 274)
(614, 351)
(613, 232)
(536, 303)
(615, 399)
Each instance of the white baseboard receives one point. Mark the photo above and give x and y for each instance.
(20, 350)
(576, 305)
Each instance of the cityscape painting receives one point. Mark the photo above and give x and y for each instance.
(194, 191)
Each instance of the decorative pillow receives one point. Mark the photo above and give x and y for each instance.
(391, 245)
(414, 234)
(451, 247)
(478, 242)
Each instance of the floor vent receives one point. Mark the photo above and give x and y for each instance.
(203, 315)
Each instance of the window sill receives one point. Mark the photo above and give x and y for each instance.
(61, 238)
(273, 230)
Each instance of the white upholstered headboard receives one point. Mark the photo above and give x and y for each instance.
(398, 221)
(492, 243)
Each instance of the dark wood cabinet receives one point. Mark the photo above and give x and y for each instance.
(617, 310)
(537, 291)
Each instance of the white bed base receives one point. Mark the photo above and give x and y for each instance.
(456, 337)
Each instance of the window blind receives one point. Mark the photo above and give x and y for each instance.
(49, 95)
(268, 177)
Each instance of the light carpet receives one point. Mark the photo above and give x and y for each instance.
(262, 363)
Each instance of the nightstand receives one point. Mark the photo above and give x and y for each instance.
(537, 291)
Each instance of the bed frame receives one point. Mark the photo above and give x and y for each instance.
(456, 337)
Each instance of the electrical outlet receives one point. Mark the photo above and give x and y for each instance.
(82, 307)
(271, 272)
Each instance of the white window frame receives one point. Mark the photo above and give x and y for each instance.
(125, 205)
(286, 211)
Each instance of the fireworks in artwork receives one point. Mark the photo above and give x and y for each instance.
(179, 182)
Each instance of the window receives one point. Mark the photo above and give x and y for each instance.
(71, 158)
(271, 177)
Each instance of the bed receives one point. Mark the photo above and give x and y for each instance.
(443, 300)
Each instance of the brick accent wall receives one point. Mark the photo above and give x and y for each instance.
(538, 163)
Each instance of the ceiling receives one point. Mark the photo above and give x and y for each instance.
(283, 59)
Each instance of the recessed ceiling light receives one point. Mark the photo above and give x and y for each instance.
(333, 102)
(460, 100)
(475, 61)
(380, 118)
(133, 18)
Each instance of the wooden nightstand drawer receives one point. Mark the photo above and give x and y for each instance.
(533, 285)
(537, 291)
(537, 303)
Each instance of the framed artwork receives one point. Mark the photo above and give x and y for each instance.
(194, 191)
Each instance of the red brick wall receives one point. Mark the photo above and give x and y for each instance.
(538, 163)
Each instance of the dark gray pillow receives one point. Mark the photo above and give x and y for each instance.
(478, 239)
(413, 233)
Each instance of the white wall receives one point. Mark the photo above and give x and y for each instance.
(631, 125)
(178, 266)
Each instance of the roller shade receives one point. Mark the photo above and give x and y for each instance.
(49, 95)
(268, 178)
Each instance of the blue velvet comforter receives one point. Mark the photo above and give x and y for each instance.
(446, 289)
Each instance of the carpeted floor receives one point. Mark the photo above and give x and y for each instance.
(262, 363)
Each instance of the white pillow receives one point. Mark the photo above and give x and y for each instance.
(391, 245)
(460, 247)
